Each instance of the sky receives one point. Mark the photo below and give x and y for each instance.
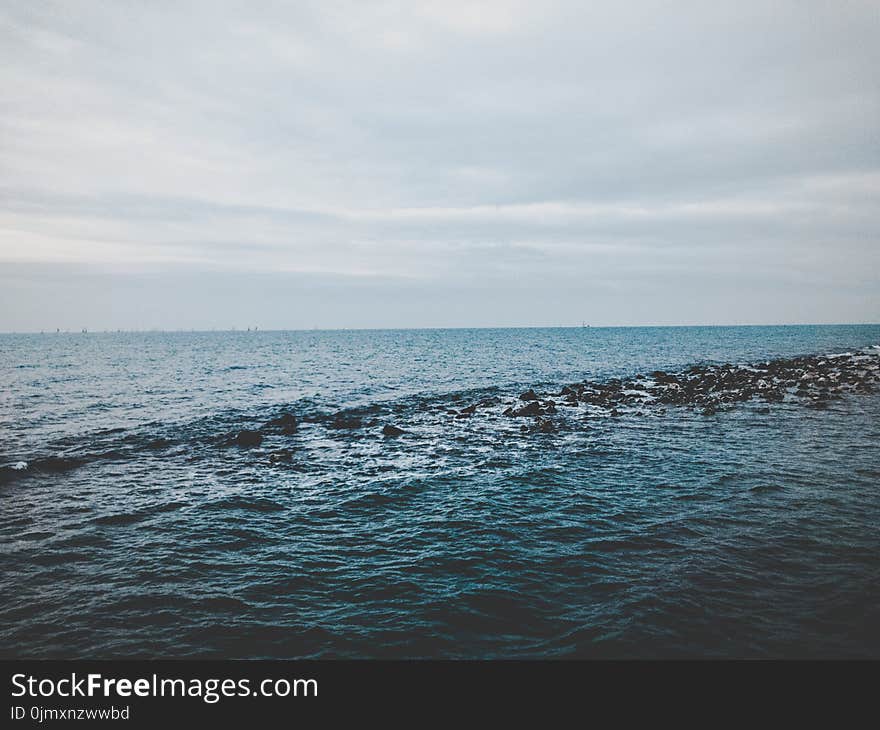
(205, 165)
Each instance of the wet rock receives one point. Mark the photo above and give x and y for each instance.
(470, 410)
(663, 377)
(710, 410)
(529, 395)
(532, 408)
(56, 464)
(286, 422)
(389, 430)
(248, 439)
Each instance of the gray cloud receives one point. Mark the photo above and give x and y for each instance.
(440, 163)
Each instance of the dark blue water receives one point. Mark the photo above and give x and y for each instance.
(129, 527)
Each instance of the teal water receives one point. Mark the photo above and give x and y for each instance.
(129, 526)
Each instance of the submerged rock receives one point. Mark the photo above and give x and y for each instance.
(280, 456)
(345, 423)
(248, 439)
(389, 430)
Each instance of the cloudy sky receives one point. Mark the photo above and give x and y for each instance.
(370, 164)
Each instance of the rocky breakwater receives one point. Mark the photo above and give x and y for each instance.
(811, 380)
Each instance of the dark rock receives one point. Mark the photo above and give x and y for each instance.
(389, 430)
(529, 395)
(287, 422)
(248, 439)
(56, 464)
(709, 410)
(532, 408)
(545, 426)
(469, 410)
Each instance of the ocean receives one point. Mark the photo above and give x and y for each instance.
(239, 494)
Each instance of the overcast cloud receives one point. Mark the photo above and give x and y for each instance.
(362, 164)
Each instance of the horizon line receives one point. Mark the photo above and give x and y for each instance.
(257, 329)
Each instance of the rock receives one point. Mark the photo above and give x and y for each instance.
(545, 426)
(389, 430)
(248, 439)
(529, 395)
(468, 411)
(532, 408)
(287, 422)
(709, 410)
